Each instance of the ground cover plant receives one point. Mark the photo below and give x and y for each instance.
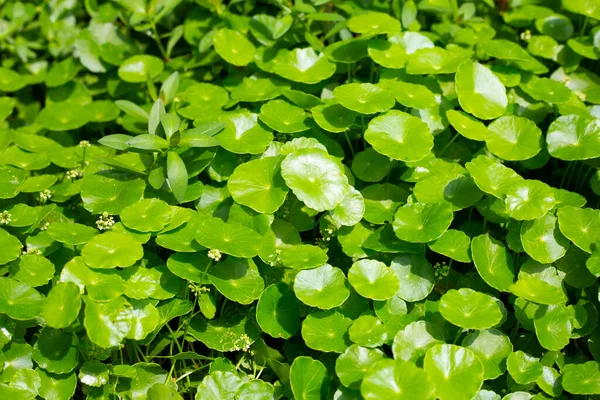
(299, 199)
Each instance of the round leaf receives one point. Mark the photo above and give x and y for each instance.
(493, 261)
(351, 365)
(422, 222)
(363, 98)
(416, 276)
(542, 239)
(309, 379)
(258, 184)
(399, 136)
(471, 309)
(111, 249)
(479, 91)
(19, 300)
(316, 178)
(278, 312)
(326, 331)
(373, 279)
(233, 47)
(324, 287)
(138, 68)
(455, 371)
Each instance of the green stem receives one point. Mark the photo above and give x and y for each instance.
(448, 145)
(567, 172)
(161, 48)
(586, 178)
(515, 331)
(349, 143)
(585, 22)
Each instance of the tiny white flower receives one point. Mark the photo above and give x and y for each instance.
(105, 221)
(74, 174)
(214, 254)
(5, 218)
(84, 143)
(45, 195)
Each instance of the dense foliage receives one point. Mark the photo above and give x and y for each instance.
(310, 199)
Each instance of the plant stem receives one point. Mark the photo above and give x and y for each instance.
(567, 171)
(584, 26)
(161, 48)
(448, 144)
(349, 143)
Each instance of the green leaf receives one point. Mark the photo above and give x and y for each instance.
(491, 176)
(539, 283)
(391, 378)
(177, 175)
(243, 133)
(146, 215)
(553, 326)
(326, 331)
(580, 225)
(93, 373)
(542, 239)
(514, 138)
(63, 116)
(363, 98)
(136, 69)
(333, 117)
(370, 166)
(56, 351)
(309, 379)
(277, 311)
(471, 309)
(102, 194)
(324, 287)
(456, 372)
(58, 387)
(111, 250)
(399, 136)
(233, 47)
(229, 238)
(282, 116)
(232, 331)
(71, 233)
(374, 23)
(529, 199)
(303, 65)
(479, 91)
(387, 53)
(523, 368)
(107, 324)
(237, 279)
(492, 347)
(571, 137)
(316, 178)
(412, 341)
(581, 378)
(422, 222)
(416, 277)
(61, 306)
(32, 269)
(19, 300)
(351, 365)
(258, 184)
(148, 142)
(373, 279)
(453, 244)
(493, 261)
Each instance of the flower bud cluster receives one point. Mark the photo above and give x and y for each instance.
(5, 218)
(105, 221)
